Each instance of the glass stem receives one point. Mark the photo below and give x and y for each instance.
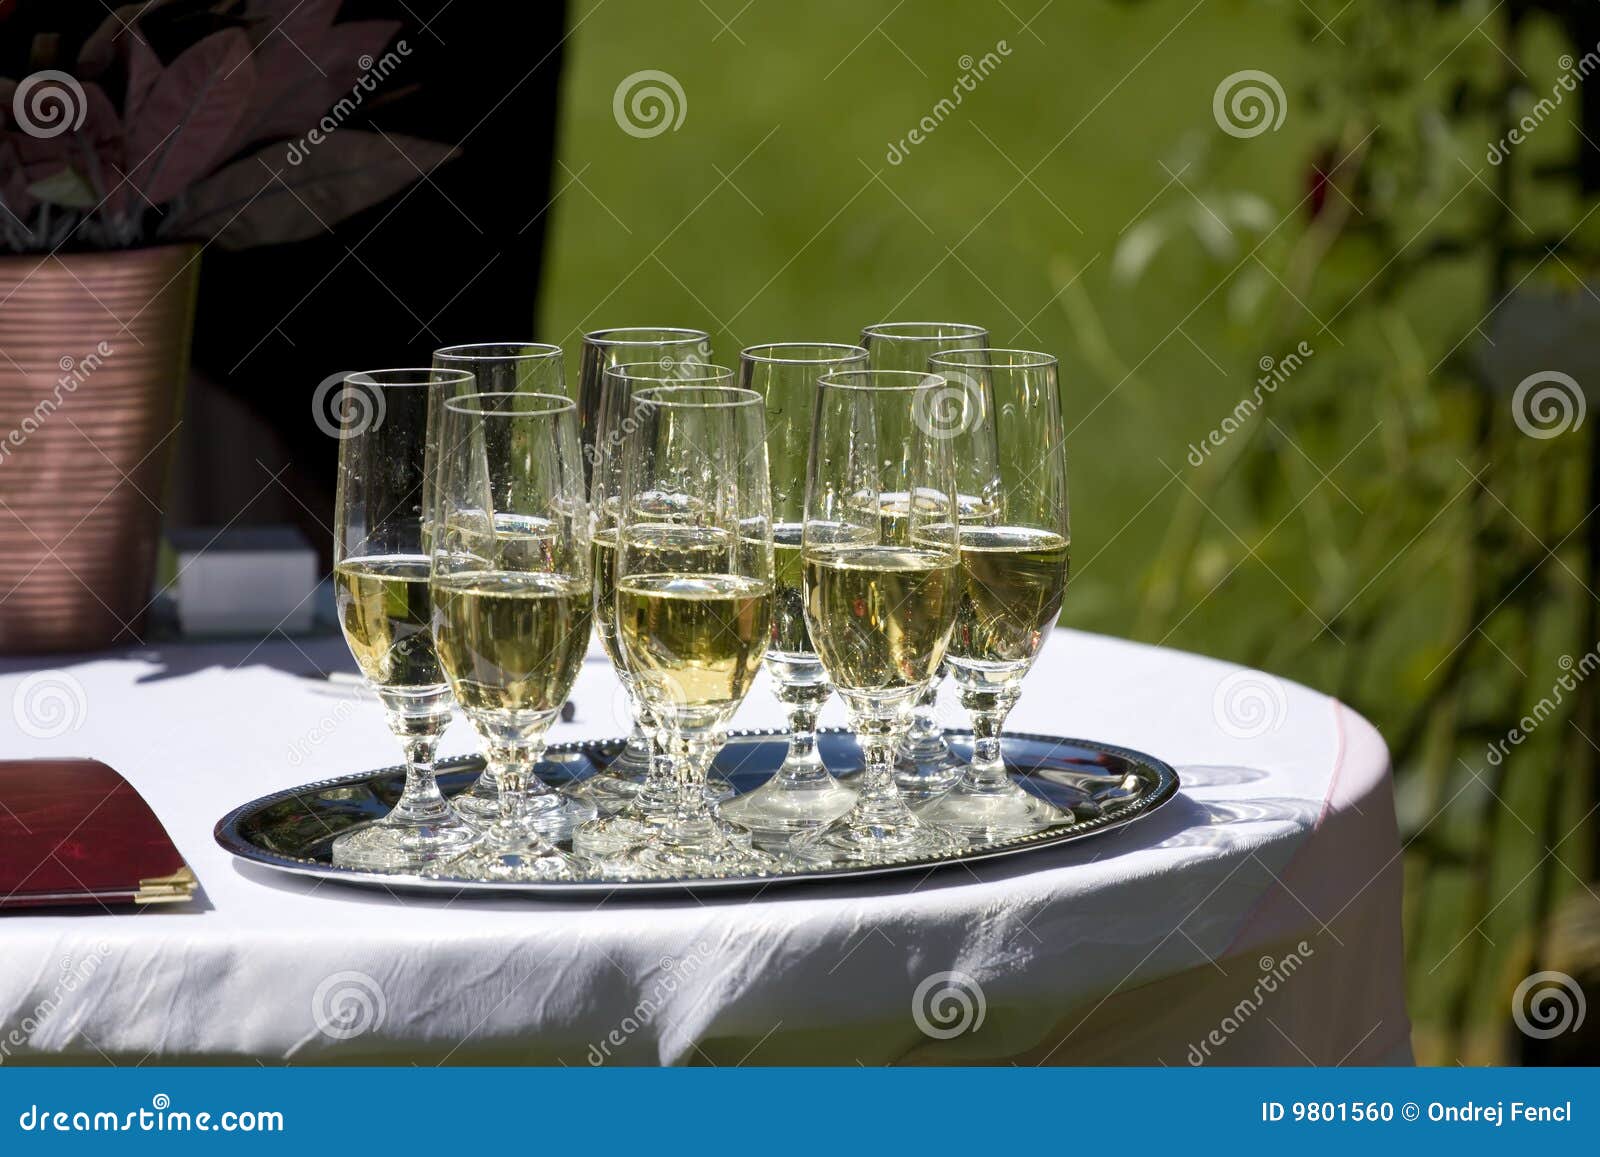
(659, 795)
(988, 710)
(421, 798)
(513, 763)
(802, 764)
(688, 759)
(638, 754)
(925, 736)
(879, 802)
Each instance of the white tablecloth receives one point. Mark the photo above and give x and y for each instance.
(1254, 919)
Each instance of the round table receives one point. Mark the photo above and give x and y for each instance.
(1254, 919)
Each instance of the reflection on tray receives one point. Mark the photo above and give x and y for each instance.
(1099, 786)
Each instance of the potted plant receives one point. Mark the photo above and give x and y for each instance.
(125, 150)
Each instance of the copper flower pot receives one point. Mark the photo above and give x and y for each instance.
(94, 350)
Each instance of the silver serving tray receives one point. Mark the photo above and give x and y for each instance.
(1102, 786)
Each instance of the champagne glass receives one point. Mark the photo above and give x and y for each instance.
(1013, 577)
(496, 367)
(925, 765)
(640, 804)
(881, 586)
(510, 618)
(381, 588)
(801, 794)
(673, 349)
(508, 367)
(694, 593)
(673, 352)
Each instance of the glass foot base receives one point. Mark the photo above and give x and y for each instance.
(396, 845)
(925, 769)
(847, 841)
(986, 815)
(920, 782)
(781, 808)
(512, 861)
(480, 803)
(582, 793)
(556, 816)
(614, 836)
(552, 813)
(699, 848)
(609, 793)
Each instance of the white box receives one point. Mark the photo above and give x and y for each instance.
(244, 579)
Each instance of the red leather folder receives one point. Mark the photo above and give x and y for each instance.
(73, 831)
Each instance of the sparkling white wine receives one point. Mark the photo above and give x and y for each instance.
(384, 610)
(662, 549)
(693, 641)
(880, 616)
(1013, 579)
(510, 640)
(789, 634)
(605, 594)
